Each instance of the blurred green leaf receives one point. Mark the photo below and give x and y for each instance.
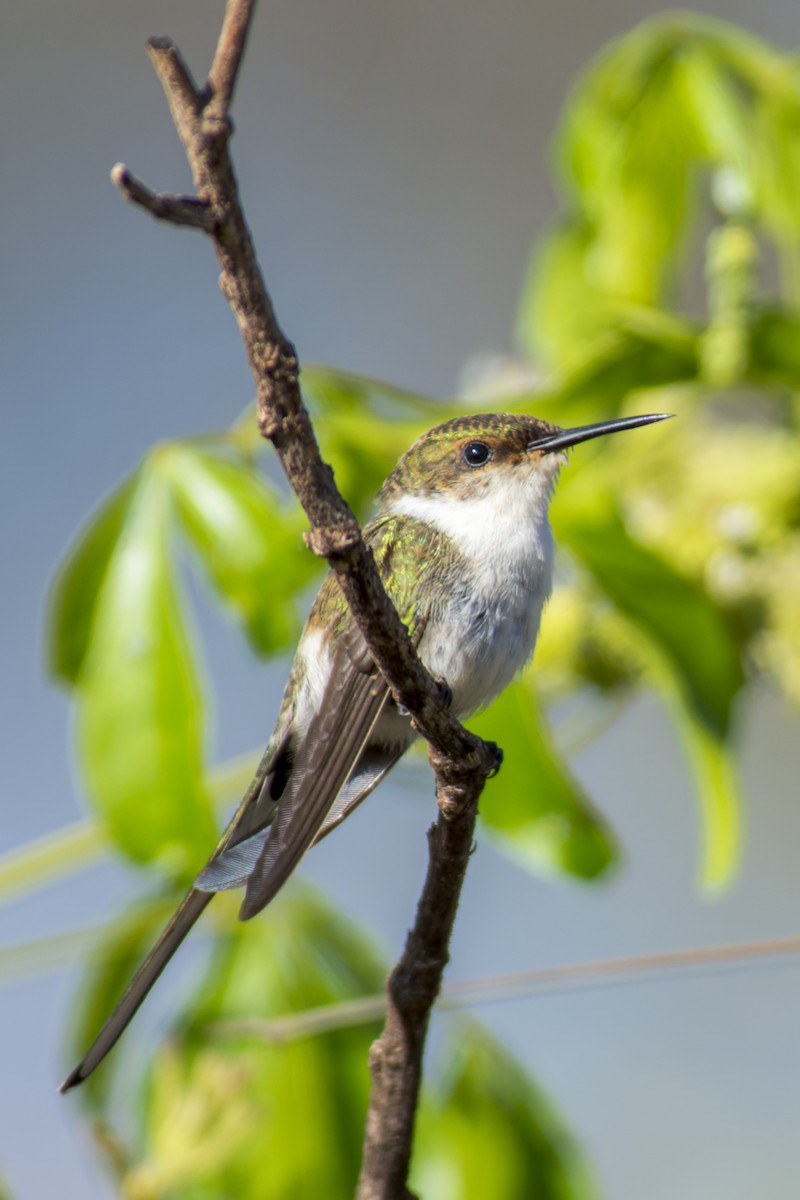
(760, 68)
(711, 757)
(248, 541)
(486, 1130)
(627, 361)
(715, 110)
(139, 708)
(676, 615)
(561, 308)
(300, 1105)
(535, 811)
(775, 349)
(625, 145)
(364, 449)
(363, 426)
(332, 389)
(731, 262)
(74, 590)
(779, 160)
(223, 1112)
(696, 657)
(675, 99)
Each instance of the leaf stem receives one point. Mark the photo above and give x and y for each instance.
(66, 851)
(51, 857)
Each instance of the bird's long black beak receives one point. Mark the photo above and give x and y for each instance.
(582, 433)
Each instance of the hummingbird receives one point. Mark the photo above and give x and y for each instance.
(463, 544)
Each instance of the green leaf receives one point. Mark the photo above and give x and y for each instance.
(225, 1112)
(73, 592)
(760, 68)
(535, 809)
(139, 710)
(673, 95)
(714, 107)
(299, 1105)
(363, 426)
(364, 449)
(331, 389)
(678, 618)
(775, 349)
(485, 1130)
(248, 541)
(779, 161)
(693, 653)
(711, 758)
(561, 306)
(625, 145)
(731, 266)
(624, 362)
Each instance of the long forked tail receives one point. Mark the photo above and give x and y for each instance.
(183, 920)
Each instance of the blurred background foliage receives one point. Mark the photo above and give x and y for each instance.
(670, 281)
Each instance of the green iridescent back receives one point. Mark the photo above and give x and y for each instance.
(409, 555)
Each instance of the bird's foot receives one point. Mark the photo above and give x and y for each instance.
(496, 759)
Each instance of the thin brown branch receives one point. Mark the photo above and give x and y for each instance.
(334, 532)
(178, 210)
(412, 988)
(461, 761)
(230, 48)
(183, 97)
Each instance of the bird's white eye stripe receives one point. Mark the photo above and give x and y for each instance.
(476, 454)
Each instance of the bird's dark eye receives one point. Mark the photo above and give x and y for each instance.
(476, 454)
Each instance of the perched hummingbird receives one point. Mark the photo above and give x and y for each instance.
(463, 544)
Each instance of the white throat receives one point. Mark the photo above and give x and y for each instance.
(504, 532)
(488, 633)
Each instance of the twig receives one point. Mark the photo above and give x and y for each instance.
(230, 48)
(532, 981)
(461, 761)
(396, 1057)
(178, 210)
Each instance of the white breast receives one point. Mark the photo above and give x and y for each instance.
(487, 629)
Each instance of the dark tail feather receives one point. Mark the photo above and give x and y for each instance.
(140, 985)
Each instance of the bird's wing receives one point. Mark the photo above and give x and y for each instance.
(255, 809)
(332, 746)
(330, 778)
(373, 766)
(234, 866)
